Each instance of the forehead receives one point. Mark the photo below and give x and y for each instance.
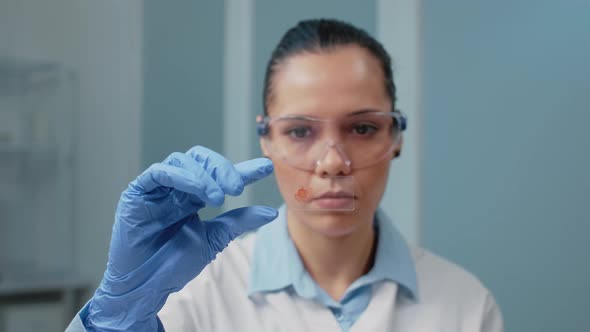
(329, 83)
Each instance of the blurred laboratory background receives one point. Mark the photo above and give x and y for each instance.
(494, 174)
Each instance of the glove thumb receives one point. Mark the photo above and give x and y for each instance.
(229, 225)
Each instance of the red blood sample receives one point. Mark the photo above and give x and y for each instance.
(302, 195)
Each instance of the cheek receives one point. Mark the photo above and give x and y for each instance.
(372, 182)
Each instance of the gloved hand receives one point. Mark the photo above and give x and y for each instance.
(159, 243)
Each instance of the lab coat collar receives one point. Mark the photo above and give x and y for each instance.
(276, 264)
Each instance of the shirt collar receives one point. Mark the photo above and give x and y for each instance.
(276, 264)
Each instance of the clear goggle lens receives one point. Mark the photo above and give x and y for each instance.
(361, 140)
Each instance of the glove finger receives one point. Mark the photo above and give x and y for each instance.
(219, 168)
(196, 243)
(221, 230)
(254, 169)
(197, 183)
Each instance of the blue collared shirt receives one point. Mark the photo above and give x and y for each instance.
(275, 248)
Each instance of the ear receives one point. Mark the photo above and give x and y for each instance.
(398, 149)
(263, 145)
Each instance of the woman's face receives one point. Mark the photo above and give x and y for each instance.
(330, 84)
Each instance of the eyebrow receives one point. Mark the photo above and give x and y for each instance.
(297, 117)
(352, 114)
(363, 111)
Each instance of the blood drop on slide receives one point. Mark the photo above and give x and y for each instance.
(302, 195)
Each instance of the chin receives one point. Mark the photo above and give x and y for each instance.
(333, 223)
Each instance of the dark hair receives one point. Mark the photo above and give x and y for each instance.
(324, 34)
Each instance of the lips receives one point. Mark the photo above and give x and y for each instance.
(334, 200)
(335, 194)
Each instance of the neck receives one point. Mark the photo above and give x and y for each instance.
(334, 262)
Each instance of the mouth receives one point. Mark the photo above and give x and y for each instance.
(335, 195)
(335, 200)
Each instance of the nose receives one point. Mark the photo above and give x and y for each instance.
(333, 161)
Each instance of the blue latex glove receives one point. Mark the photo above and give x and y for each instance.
(159, 243)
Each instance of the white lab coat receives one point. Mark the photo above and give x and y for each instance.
(449, 300)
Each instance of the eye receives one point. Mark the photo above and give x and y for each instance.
(299, 132)
(364, 129)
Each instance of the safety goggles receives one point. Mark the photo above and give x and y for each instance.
(360, 139)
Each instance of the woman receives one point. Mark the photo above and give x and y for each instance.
(330, 260)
